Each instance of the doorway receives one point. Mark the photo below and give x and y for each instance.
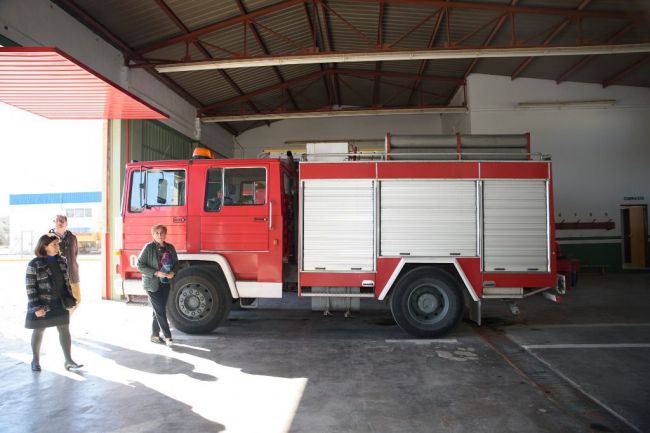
(635, 236)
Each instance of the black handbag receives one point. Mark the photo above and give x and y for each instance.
(68, 301)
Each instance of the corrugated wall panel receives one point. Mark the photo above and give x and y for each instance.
(515, 226)
(338, 227)
(428, 218)
(152, 141)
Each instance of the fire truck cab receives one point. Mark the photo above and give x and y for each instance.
(230, 222)
(433, 238)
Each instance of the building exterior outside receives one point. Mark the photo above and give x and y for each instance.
(31, 215)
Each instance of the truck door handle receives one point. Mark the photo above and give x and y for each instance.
(178, 219)
(262, 219)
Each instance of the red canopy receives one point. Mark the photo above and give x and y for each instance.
(48, 82)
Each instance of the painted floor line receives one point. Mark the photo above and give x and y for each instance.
(586, 346)
(434, 341)
(586, 394)
(583, 325)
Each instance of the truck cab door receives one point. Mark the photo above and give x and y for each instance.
(236, 211)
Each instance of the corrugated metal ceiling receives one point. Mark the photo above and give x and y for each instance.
(182, 31)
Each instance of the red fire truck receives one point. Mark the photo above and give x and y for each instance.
(432, 226)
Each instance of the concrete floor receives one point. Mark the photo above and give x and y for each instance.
(283, 368)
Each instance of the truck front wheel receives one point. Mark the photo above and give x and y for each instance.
(427, 302)
(199, 300)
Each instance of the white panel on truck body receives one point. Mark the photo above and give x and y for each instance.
(327, 151)
(515, 226)
(338, 225)
(428, 218)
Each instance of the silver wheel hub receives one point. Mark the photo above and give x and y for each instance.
(428, 303)
(192, 302)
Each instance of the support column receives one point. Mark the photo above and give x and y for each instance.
(116, 151)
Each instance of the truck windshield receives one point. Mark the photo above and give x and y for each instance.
(156, 188)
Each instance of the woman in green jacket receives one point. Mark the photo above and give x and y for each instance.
(158, 263)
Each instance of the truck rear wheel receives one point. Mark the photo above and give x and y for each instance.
(427, 302)
(199, 300)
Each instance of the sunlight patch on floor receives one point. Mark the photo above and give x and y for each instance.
(240, 401)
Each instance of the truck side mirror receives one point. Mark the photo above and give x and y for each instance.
(162, 191)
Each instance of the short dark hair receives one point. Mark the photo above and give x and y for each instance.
(62, 218)
(43, 242)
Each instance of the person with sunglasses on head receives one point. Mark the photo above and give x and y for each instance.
(158, 263)
(69, 249)
(49, 296)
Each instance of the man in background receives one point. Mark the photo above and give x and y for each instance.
(69, 249)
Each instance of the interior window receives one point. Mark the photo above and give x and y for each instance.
(156, 188)
(244, 186)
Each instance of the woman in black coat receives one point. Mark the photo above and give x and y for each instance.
(47, 285)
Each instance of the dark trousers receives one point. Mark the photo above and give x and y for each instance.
(159, 303)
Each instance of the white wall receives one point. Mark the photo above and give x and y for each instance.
(335, 128)
(41, 23)
(217, 138)
(600, 155)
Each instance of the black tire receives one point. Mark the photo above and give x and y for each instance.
(199, 300)
(427, 302)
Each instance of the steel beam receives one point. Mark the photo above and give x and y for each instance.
(316, 48)
(582, 62)
(262, 45)
(325, 73)
(326, 37)
(219, 26)
(489, 39)
(523, 65)
(172, 16)
(430, 44)
(625, 72)
(380, 42)
(273, 87)
(73, 9)
(398, 55)
(334, 113)
(635, 16)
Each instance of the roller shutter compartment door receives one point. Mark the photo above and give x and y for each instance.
(515, 226)
(338, 225)
(428, 218)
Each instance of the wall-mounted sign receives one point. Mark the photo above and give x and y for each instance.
(634, 198)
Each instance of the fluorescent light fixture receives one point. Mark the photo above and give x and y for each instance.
(333, 113)
(559, 105)
(379, 56)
